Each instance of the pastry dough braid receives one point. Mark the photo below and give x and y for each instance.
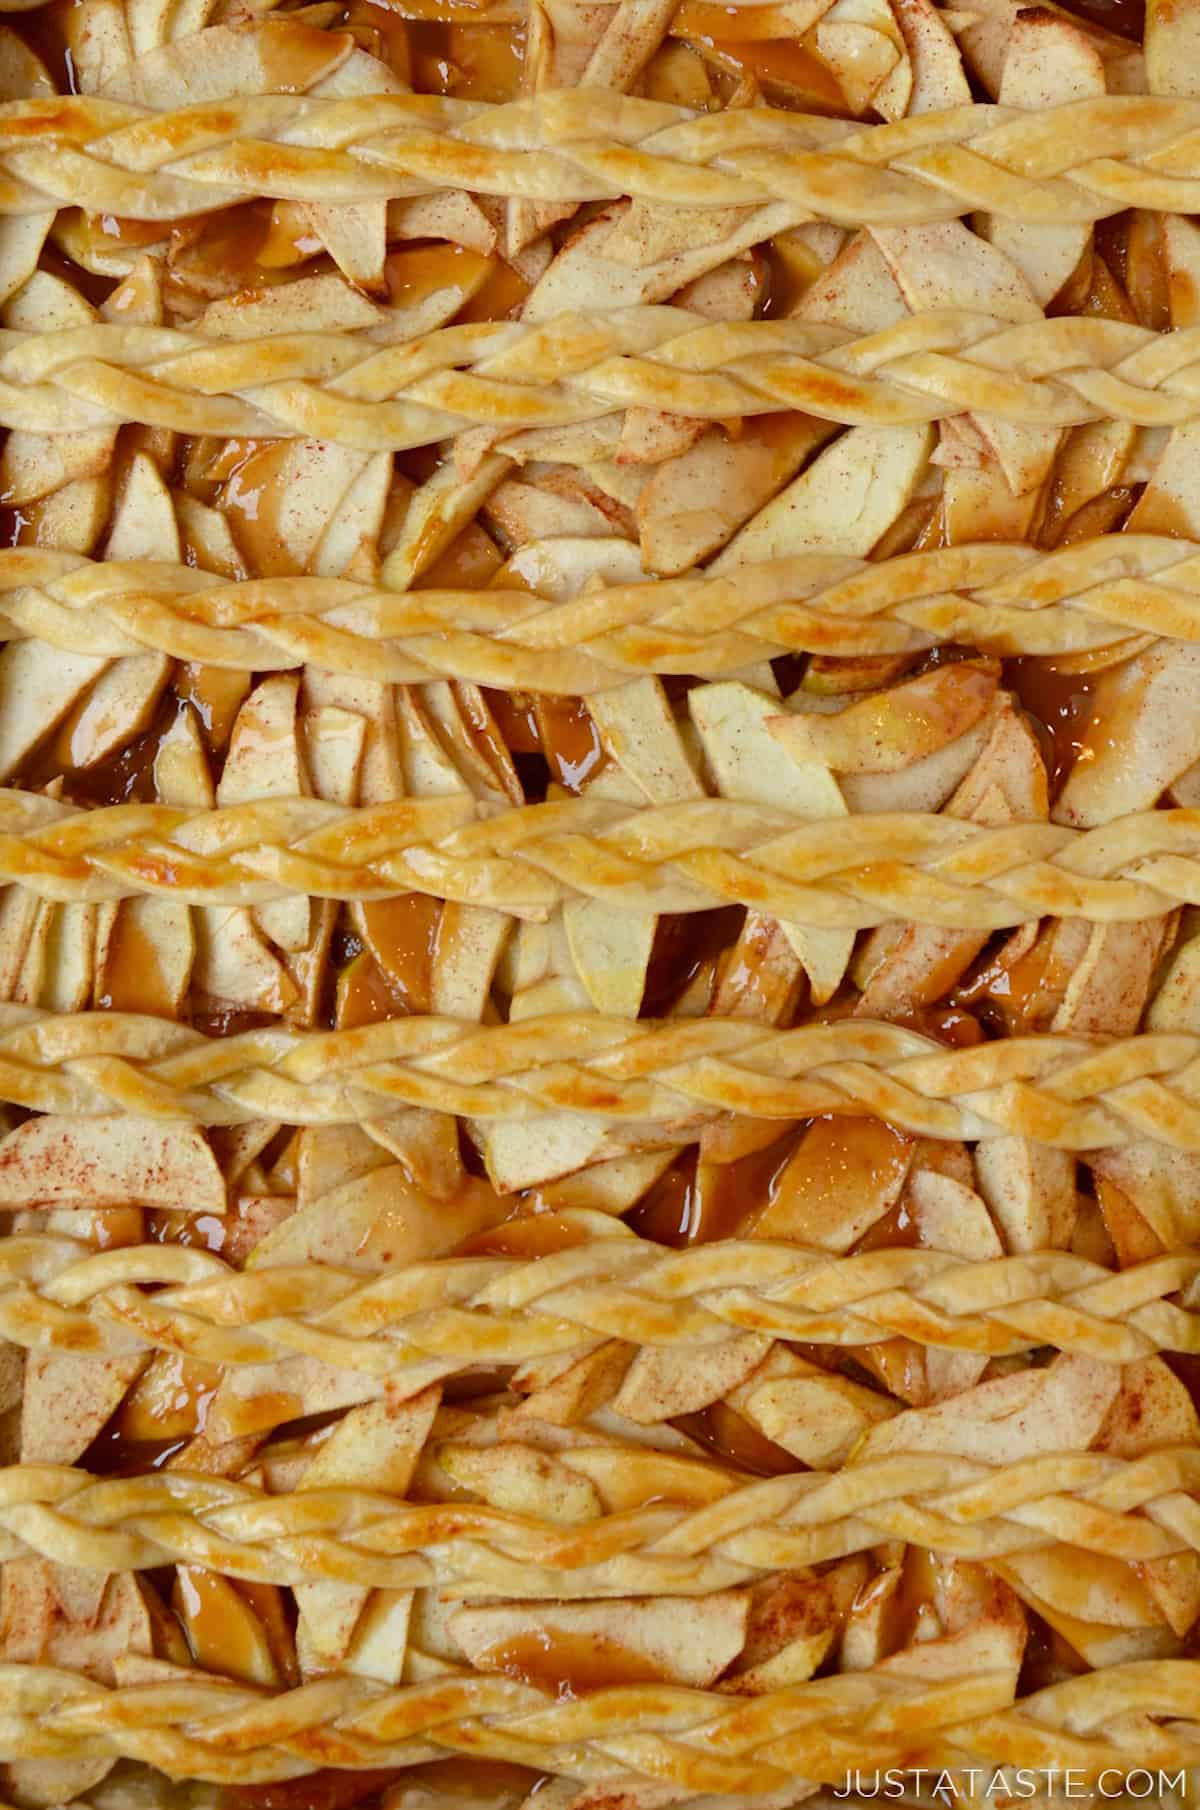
(949, 1504)
(853, 872)
(1004, 598)
(702, 1741)
(506, 1310)
(350, 389)
(655, 1078)
(586, 144)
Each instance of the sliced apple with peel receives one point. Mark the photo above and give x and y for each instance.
(1057, 1409)
(522, 1480)
(733, 723)
(695, 502)
(893, 729)
(819, 1418)
(845, 500)
(375, 1446)
(115, 1161)
(680, 1640)
(844, 1176)
(68, 1399)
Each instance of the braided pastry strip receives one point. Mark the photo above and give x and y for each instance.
(653, 1077)
(1055, 165)
(1132, 1509)
(507, 1310)
(686, 857)
(1002, 598)
(350, 388)
(209, 1728)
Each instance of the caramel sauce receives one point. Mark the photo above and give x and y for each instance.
(516, 719)
(212, 254)
(1048, 1658)
(461, 1781)
(116, 775)
(1016, 992)
(216, 1018)
(1105, 298)
(840, 1167)
(16, 527)
(477, 718)
(289, 239)
(789, 73)
(260, 1413)
(122, 778)
(1125, 17)
(895, 1229)
(569, 1664)
(469, 563)
(949, 1024)
(223, 1632)
(382, 32)
(47, 32)
(701, 1203)
(725, 1433)
(327, 1789)
(683, 944)
(251, 498)
(217, 460)
(1133, 1238)
(458, 1781)
(470, 1385)
(1104, 514)
(529, 1235)
(401, 934)
(471, 62)
(110, 1455)
(113, 1228)
(132, 979)
(899, 1364)
(747, 980)
(28, 523)
(1110, 241)
(784, 433)
(835, 676)
(490, 60)
(216, 695)
(1061, 707)
(905, 1593)
(128, 232)
(170, 1400)
(665, 1213)
(570, 741)
(788, 275)
(270, 1604)
(415, 466)
(166, 1408)
(1186, 1366)
(499, 297)
(1158, 512)
(199, 1231)
(90, 284)
(1146, 271)
(418, 271)
(295, 54)
(363, 995)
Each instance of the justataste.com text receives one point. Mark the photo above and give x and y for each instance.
(1008, 1784)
